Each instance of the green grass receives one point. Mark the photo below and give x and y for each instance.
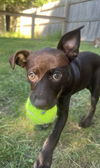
(48, 36)
(13, 35)
(19, 142)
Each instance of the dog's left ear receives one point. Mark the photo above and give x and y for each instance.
(70, 43)
(19, 58)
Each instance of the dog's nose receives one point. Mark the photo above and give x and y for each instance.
(41, 103)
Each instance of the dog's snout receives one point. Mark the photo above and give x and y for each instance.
(40, 103)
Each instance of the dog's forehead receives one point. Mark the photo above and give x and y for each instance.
(47, 58)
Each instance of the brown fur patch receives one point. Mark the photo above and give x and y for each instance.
(42, 61)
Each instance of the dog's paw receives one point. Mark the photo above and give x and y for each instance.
(39, 165)
(85, 122)
(43, 161)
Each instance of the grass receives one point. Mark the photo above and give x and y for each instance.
(13, 35)
(48, 36)
(19, 142)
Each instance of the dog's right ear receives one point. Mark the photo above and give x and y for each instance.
(19, 58)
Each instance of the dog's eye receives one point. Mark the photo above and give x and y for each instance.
(32, 76)
(57, 76)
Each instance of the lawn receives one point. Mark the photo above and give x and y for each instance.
(19, 141)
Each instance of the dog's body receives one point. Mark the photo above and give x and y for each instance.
(81, 67)
(55, 75)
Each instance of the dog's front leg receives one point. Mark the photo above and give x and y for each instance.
(45, 157)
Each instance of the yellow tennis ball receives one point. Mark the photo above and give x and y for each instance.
(38, 116)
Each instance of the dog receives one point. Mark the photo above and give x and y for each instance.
(55, 74)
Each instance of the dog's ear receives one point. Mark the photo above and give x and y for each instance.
(70, 42)
(19, 58)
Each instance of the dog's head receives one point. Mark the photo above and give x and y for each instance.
(47, 69)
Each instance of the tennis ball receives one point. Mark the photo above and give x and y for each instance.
(38, 116)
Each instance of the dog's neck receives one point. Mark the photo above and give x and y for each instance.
(75, 68)
(74, 76)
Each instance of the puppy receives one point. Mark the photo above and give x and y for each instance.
(55, 75)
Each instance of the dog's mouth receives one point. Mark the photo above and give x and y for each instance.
(42, 104)
(46, 107)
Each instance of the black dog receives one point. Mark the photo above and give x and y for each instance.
(55, 75)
